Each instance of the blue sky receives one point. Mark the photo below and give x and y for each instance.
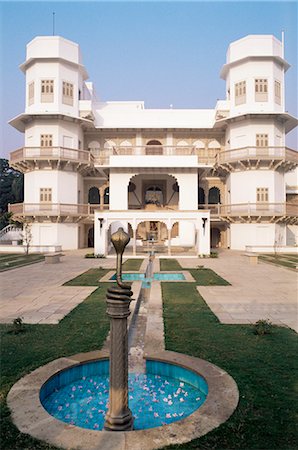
(160, 52)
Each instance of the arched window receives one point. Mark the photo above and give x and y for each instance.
(201, 196)
(93, 195)
(153, 147)
(94, 148)
(214, 196)
(106, 196)
(154, 196)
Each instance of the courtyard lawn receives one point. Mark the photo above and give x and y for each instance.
(203, 277)
(132, 264)
(39, 344)
(13, 260)
(92, 276)
(264, 368)
(281, 259)
(169, 264)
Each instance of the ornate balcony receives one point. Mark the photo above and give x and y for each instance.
(254, 212)
(30, 158)
(202, 156)
(55, 212)
(253, 158)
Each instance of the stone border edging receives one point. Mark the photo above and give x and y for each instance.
(30, 417)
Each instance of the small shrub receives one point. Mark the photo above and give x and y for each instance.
(213, 255)
(200, 267)
(92, 255)
(263, 327)
(18, 326)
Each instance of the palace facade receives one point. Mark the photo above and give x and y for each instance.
(188, 179)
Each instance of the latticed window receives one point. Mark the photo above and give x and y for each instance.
(31, 93)
(45, 195)
(47, 91)
(262, 195)
(261, 140)
(67, 93)
(46, 140)
(240, 92)
(277, 92)
(261, 89)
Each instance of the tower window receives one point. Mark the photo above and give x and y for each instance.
(31, 93)
(240, 93)
(262, 195)
(45, 195)
(46, 140)
(261, 140)
(67, 93)
(261, 90)
(47, 91)
(277, 92)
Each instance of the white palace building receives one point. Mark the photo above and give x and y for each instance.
(189, 179)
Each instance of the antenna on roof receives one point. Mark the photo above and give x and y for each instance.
(53, 24)
(283, 43)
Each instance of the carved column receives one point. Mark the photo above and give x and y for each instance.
(119, 416)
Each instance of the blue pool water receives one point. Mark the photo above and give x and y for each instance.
(173, 276)
(166, 393)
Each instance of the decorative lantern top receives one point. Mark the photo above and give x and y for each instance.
(120, 239)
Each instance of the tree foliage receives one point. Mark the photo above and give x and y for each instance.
(11, 189)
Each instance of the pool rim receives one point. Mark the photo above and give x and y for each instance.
(55, 375)
(30, 417)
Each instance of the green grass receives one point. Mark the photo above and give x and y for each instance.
(207, 277)
(92, 276)
(169, 264)
(203, 277)
(13, 260)
(39, 344)
(283, 260)
(132, 264)
(264, 368)
(89, 278)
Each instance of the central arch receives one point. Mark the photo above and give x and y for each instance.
(154, 147)
(155, 191)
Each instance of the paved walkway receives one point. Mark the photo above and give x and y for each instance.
(36, 294)
(261, 291)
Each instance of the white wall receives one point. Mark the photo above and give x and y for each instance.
(58, 128)
(243, 186)
(118, 190)
(64, 186)
(48, 233)
(243, 134)
(188, 190)
(256, 234)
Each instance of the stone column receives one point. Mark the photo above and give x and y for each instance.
(119, 416)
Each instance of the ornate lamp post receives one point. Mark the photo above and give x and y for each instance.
(119, 416)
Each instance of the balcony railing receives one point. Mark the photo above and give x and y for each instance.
(55, 209)
(239, 209)
(205, 156)
(252, 209)
(257, 153)
(52, 153)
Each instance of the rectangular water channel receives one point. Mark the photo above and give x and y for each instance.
(173, 276)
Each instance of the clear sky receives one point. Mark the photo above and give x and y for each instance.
(160, 52)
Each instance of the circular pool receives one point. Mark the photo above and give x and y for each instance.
(79, 395)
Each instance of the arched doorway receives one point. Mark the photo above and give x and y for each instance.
(214, 237)
(93, 195)
(154, 195)
(106, 196)
(154, 147)
(214, 196)
(91, 237)
(201, 196)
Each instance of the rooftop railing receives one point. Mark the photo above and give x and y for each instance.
(53, 153)
(257, 153)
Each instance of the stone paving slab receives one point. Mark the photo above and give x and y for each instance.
(36, 293)
(257, 292)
